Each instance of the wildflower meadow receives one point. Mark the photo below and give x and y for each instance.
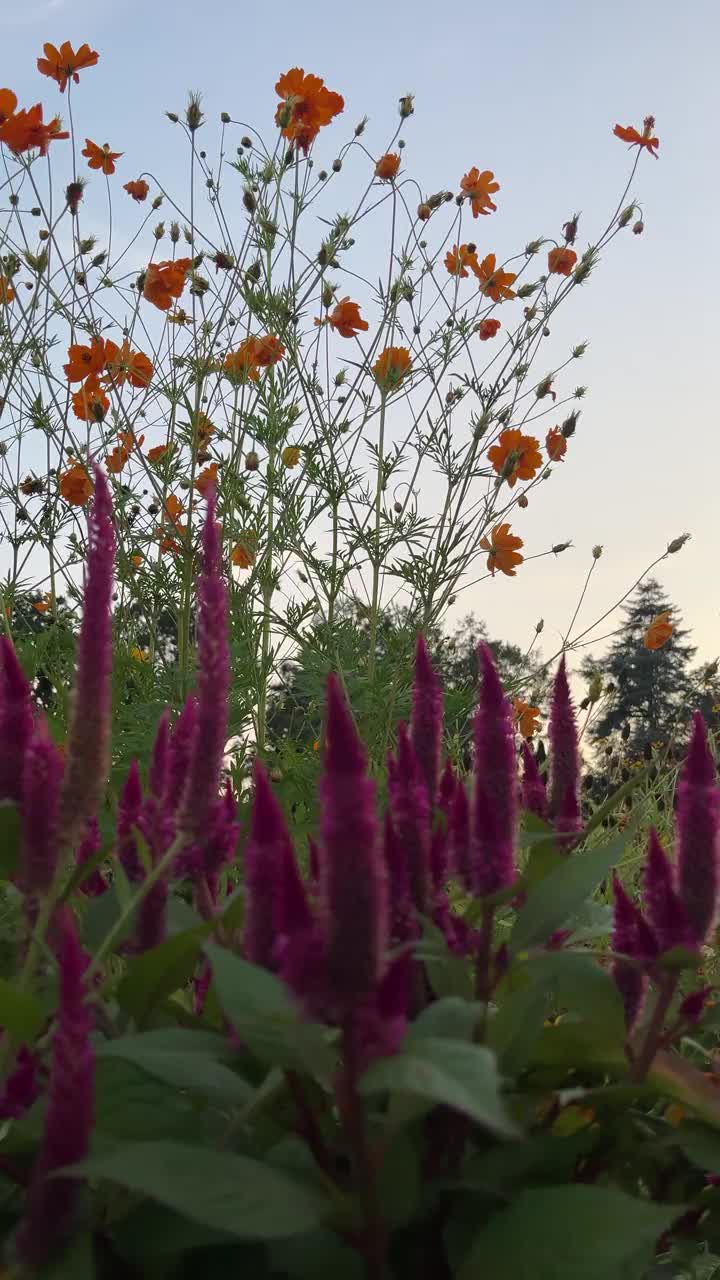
(314, 958)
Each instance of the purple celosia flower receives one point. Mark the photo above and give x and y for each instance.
(495, 811)
(354, 883)
(564, 758)
(267, 843)
(221, 845)
(666, 914)
(427, 717)
(440, 849)
(382, 1018)
(88, 743)
(698, 819)
(52, 1202)
(94, 885)
(630, 937)
(694, 1005)
(128, 818)
(533, 795)
(160, 757)
(151, 923)
(21, 1087)
(314, 862)
(403, 920)
(212, 687)
(16, 721)
(40, 808)
(410, 809)
(180, 751)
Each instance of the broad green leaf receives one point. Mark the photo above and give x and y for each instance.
(450, 975)
(577, 983)
(262, 1012)
(450, 1017)
(677, 1078)
(152, 1232)
(516, 1027)
(318, 1255)
(539, 1159)
(101, 916)
(9, 839)
(132, 1106)
(560, 896)
(77, 1262)
(218, 1189)
(21, 1014)
(184, 1059)
(449, 1072)
(700, 1144)
(156, 974)
(568, 1233)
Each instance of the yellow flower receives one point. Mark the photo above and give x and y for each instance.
(291, 455)
(139, 655)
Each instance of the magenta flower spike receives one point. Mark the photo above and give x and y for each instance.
(665, 912)
(460, 835)
(630, 937)
(128, 817)
(219, 849)
(292, 912)
(179, 753)
(151, 926)
(353, 894)
(698, 820)
(410, 810)
(51, 1201)
(40, 807)
(426, 722)
(21, 1087)
(16, 721)
(403, 921)
(266, 848)
(564, 758)
(440, 837)
(533, 795)
(495, 811)
(160, 757)
(212, 687)
(88, 744)
(95, 885)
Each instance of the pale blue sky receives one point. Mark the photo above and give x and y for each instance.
(530, 90)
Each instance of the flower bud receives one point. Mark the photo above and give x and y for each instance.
(193, 115)
(406, 106)
(159, 231)
(560, 546)
(156, 202)
(597, 552)
(526, 290)
(225, 117)
(252, 461)
(522, 501)
(638, 227)
(423, 212)
(336, 166)
(626, 215)
(246, 142)
(249, 200)
(678, 543)
(569, 425)
(174, 232)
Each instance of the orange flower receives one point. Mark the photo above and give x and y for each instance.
(7, 293)
(644, 139)
(90, 404)
(527, 718)
(479, 188)
(41, 606)
(243, 554)
(63, 64)
(8, 103)
(136, 561)
(306, 106)
(173, 510)
(494, 282)
(488, 328)
(561, 261)
(242, 363)
(85, 362)
(26, 130)
(157, 452)
(76, 487)
(207, 479)
(203, 429)
(391, 367)
(169, 544)
(387, 166)
(515, 456)
(100, 157)
(556, 444)
(115, 461)
(458, 259)
(138, 189)
(291, 455)
(165, 281)
(267, 350)
(345, 319)
(123, 365)
(659, 632)
(502, 548)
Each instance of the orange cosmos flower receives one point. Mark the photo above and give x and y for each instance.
(41, 606)
(267, 350)
(479, 187)
(124, 365)
(100, 157)
(488, 328)
(75, 486)
(207, 479)
(291, 455)
(561, 261)
(165, 281)
(527, 718)
(494, 282)
(63, 64)
(26, 130)
(7, 293)
(556, 444)
(306, 106)
(659, 632)
(157, 452)
(138, 189)
(243, 555)
(645, 139)
(115, 461)
(85, 362)
(458, 259)
(387, 166)
(8, 103)
(515, 456)
(345, 319)
(503, 550)
(242, 363)
(391, 367)
(136, 561)
(173, 510)
(90, 404)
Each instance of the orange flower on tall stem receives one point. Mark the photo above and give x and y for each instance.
(165, 281)
(207, 479)
(561, 261)
(157, 452)
(479, 188)
(494, 282)
(391, 367)
(345, 319)
(137, 188)
(243, 554)
(503, 550)
(123, 365)
(515, 456)
(63, 64)
(388, 166)
(85, 361)
(101, 157)
(75, 485)
(267, 350)
(526, 718)
(556, 444)
(306, 106)
(90, 403)
(645, 139)
(116, 460)
(8, 103)
(241, 363)
(173, 510)
(7, 293)
(659, 632)
(459, 258)
(26, 130)
(488, 328)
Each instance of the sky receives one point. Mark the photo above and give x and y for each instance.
(530, 90)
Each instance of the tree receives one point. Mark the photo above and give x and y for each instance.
(648, 692)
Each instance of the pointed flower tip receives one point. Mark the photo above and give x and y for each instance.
(699, 762)
(344, 751)
(424, 669)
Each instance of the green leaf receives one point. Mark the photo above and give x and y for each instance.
(156, 974)
(9, 839)
(539, 1159)
(517, 1026)
(21, 1014)
(578, 983)
(262, 1012)
(102, 915)
(218, 1189)
(700, 1144)
(450, 1072)
(560, 896)
(153, 1232)
(184, 1059)
(133, 1106)
(562, 1233)
(450, 1016)
(319, 1255)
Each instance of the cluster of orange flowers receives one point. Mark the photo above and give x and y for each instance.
(306, 106)
(165, 281)
(517, 456)
(99, 366)
(253, 354)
